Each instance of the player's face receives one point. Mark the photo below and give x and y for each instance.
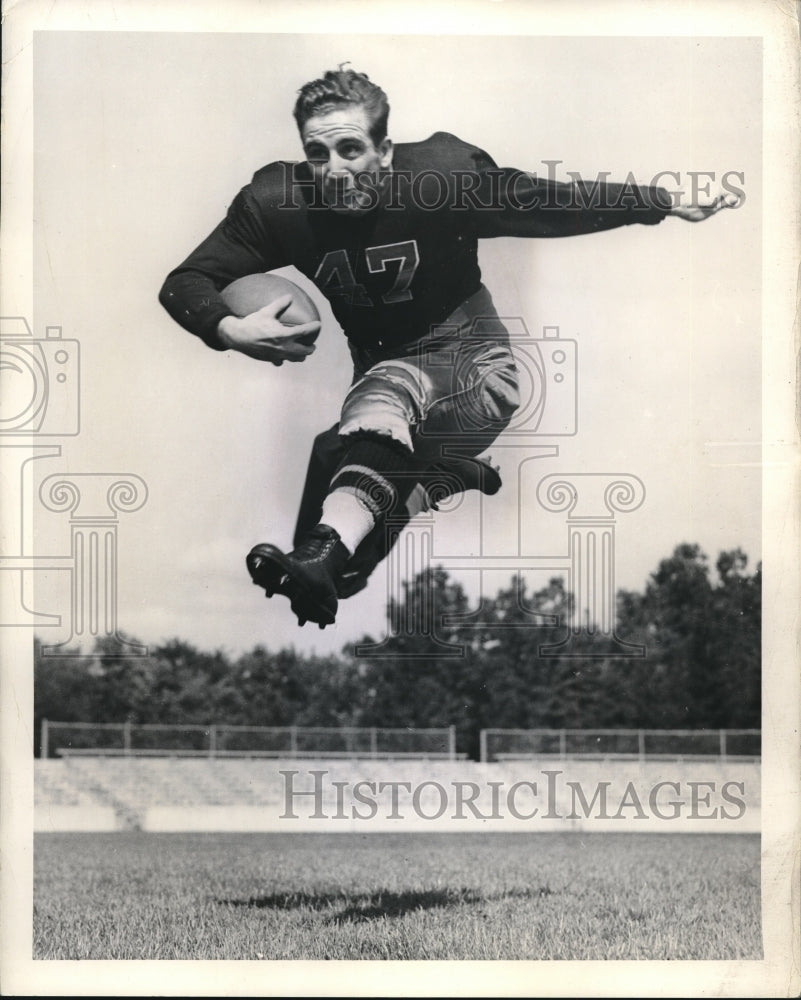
(346, 161)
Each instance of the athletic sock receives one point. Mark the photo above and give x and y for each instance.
(348, 516)
(373, 479)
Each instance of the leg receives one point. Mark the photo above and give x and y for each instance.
(458, 390)
(464, 406)
(377, 473)
(327, 452)
(436, 482)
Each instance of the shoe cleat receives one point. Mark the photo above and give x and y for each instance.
(308, 575)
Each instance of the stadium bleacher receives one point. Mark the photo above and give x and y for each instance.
(202, 793)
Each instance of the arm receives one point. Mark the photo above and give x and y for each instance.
(241, 244)
(521, 204)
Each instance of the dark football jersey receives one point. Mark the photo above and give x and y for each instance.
(392, 272)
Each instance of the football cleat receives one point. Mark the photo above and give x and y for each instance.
(458, 474)
(308, 575)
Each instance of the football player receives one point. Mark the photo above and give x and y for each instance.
(389, 234)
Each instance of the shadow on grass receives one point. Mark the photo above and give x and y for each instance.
(360, 906)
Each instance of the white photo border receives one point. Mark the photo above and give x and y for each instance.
(778, 973)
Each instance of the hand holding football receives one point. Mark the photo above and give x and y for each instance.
(274, 319)
(251, 293)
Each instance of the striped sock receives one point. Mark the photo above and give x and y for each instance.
(377, 479)
(348, 516)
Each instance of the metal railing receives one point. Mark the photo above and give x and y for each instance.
(631, 744)
(164, 740)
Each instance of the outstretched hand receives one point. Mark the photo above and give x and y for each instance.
(698, 213)
(263, 336)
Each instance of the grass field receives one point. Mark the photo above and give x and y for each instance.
(396, 896)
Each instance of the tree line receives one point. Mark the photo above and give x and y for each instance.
(701, 668)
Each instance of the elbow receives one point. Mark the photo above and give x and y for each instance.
(166, 294)
(169, 296)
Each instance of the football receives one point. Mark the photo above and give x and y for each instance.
(251, 293)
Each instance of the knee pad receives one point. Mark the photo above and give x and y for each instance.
(386, 403)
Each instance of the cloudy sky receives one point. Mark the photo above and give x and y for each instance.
(142, 139)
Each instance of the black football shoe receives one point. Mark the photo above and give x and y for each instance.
(445, 478)
(459, 474)
(308, 575)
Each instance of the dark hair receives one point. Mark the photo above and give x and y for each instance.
(341, 88)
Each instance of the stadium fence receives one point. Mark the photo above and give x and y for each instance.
(61, 739)
(621, 744)
(163, 740)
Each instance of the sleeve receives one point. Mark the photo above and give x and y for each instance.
(515, 203)
(241, 244)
